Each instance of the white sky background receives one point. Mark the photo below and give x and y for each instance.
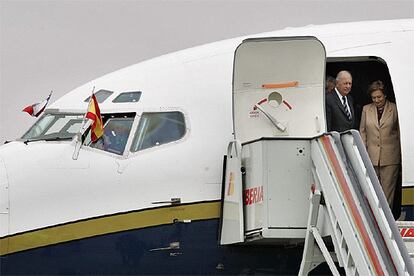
(59, 45)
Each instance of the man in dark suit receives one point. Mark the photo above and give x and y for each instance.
(340, 114)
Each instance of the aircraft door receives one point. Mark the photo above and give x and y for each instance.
(278, 88)
(278, 92)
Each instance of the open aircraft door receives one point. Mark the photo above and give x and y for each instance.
(278, 93)
(278, 88)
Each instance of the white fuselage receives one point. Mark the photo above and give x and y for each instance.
(46, 187)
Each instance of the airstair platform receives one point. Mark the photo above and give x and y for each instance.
(269, 182)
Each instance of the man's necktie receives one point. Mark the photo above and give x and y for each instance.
(348, 114)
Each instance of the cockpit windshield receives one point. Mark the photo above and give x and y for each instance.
(54, 127)
(154, 129)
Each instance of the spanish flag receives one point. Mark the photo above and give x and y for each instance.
(94, 114)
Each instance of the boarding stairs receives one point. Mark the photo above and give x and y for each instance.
(364, 234)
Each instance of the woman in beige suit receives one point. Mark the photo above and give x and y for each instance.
(380, 132)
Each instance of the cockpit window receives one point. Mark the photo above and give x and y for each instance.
(100, 95)
(158, 128)
(128, 97)
(115, 137)
(55, 127)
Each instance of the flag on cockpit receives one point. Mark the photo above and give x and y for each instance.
(94, 114)
(36, 109)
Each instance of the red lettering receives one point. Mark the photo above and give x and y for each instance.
(246, 197)
(254, 195)
(260, 194)
(251, 197)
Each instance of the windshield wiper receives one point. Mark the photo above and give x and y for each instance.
(48, 139)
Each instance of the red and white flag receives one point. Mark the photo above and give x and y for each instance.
(36, 109)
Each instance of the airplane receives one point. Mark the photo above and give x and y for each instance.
(214, 161)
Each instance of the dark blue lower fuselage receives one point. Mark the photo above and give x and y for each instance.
(145, 251)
